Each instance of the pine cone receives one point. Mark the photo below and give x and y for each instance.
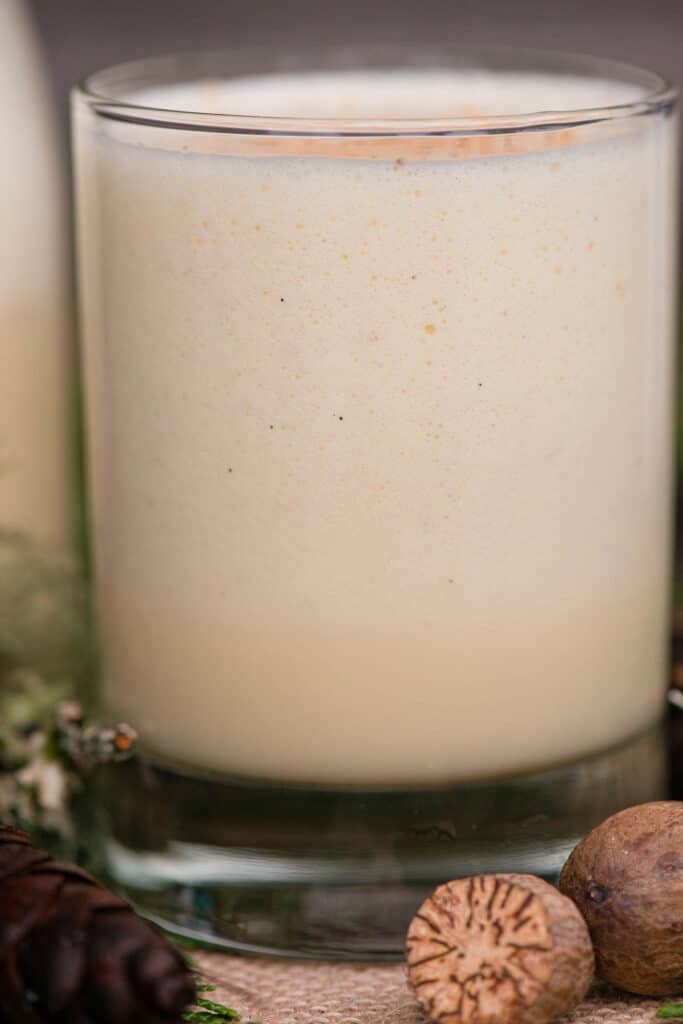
(72, 952)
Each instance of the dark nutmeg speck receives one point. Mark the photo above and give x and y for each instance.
(597, 894)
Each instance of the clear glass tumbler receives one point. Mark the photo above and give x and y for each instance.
(379, 362)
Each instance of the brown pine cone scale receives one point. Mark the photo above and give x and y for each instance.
(72, 952)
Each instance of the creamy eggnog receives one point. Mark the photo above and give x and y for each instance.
(380, 424)
(36, 357)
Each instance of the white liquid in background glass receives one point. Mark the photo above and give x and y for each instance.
(380, 446)
(36, 356)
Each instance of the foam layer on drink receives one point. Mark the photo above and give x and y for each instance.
(437, 93)
(380, 449)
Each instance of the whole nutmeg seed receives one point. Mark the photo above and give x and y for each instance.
(626, 878)
(499, 949)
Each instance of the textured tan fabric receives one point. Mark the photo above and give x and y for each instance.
(297, 992)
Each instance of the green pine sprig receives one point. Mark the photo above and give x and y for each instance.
(210, 1012)
(670, 1010)
(207, 1011)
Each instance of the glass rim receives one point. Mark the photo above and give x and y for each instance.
(99, 90)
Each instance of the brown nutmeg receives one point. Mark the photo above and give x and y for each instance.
(626, 877)
(498, 949)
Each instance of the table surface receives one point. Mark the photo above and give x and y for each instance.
(303, 992)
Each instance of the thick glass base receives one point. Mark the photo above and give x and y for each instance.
(332, 873)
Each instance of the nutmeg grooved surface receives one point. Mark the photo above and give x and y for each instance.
(498, 948)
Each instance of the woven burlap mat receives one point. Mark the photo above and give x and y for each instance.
(300, 992)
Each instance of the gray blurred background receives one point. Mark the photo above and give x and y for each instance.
(84, 35)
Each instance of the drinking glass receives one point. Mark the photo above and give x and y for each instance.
(378, 351)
